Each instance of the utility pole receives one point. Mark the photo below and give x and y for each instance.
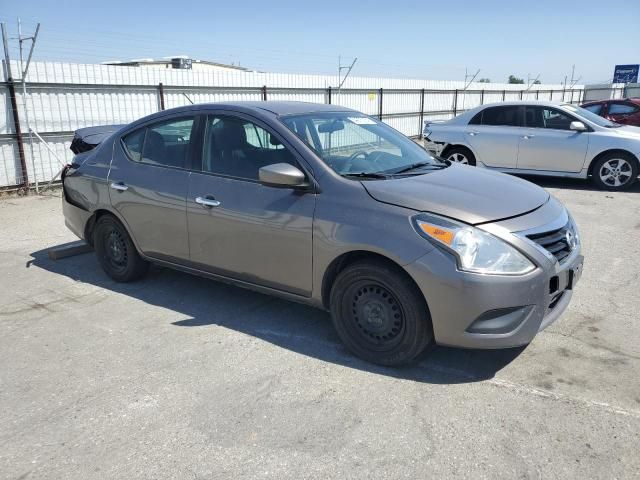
(24, 68)
(531, 83)
(344, 67)
(467, 76)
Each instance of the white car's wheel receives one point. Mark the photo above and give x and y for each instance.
(461, 155)
(615, 171)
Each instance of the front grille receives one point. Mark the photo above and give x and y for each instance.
(555, 241)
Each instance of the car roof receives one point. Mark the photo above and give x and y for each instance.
(275, 107)
(541, 103)
(635, 100)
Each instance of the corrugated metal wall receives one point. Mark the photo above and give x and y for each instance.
(62, 97)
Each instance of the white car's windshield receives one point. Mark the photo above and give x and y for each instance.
(354, 144)
(592, 117)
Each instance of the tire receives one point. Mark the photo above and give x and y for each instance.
(116, 252)
(380, 314)
(461, 155)
(615, 171)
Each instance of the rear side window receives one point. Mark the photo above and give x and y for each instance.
(597, 108)
(506, 116)
(621, 109)
(165, 143)
(133, 144)
(477, 119)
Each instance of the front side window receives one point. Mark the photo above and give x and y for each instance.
(166, 143)
(503, 116)
(544, 117)
(239, 148)
(354, 144)
(621, 109)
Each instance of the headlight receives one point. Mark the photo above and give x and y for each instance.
(475, 250)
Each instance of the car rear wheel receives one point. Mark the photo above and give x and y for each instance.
(461, 155)
(116, 252)
(380, 314)
(615, 171)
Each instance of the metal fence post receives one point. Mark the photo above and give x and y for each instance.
(551, 95)
(521, 93)
(380, 105)
(482, 97)
(421, 112)
(18, 129)
(329, 95)
(504, 95)
(455, 102)
(264, 93)
(161, 95)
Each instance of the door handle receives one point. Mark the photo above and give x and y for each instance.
(527, 137)
(207, 202)
(121, 187)
(473, 133)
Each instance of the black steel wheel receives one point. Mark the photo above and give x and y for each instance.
(380, 314)
(116, 252)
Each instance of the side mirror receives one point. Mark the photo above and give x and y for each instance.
(281, 175)
(577, 126)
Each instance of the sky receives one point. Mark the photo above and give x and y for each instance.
(399, 38)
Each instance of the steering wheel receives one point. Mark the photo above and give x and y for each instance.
(352, 157)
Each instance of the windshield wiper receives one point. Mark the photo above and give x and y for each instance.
(414, 166)
(615, 125)
(366, 175)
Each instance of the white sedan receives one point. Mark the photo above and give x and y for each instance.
(540, 138)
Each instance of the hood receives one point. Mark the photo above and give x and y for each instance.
(470, 194)
(626, 131)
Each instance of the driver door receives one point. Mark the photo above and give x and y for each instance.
(245, 230)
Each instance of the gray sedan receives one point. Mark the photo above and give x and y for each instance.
(541, 138)
(327, 206)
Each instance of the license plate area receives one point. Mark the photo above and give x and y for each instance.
(566, 279)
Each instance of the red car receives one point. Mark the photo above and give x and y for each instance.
(625, 111)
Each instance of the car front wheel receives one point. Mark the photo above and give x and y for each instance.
(380, 314)
(615, 171)
(116, 252)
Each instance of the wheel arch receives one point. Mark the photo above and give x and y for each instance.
(101, 212)
(595, 159)
(349, 258)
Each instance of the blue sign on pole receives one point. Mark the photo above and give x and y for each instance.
(626, 74)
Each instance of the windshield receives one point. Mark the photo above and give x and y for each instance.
(354, 144)
(592, 117)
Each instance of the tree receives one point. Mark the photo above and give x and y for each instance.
(537, 82)
(484, 80)
(514, 79)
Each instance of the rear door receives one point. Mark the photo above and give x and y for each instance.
(240, 228)
(625, 113)
(148, 184)
(547, 142)
(493, 135)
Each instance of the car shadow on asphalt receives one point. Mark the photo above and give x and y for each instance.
(574, 184)
(295, 327)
